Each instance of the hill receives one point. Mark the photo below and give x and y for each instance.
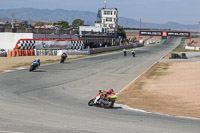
(33, 15)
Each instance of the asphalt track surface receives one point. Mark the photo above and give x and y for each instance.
(54, 98)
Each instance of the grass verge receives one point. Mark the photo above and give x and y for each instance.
(157, 70)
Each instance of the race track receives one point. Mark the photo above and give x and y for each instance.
(54, 98)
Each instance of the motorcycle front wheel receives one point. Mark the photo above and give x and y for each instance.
(31, 69)
(91, 102)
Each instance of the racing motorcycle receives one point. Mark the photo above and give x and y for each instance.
(133, 53)
(63, 58)
(105, 100)
(33, 67)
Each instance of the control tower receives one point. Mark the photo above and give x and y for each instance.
(108, 18)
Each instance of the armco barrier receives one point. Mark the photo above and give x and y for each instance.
(192, 48)
(100, 50)
(57, 52)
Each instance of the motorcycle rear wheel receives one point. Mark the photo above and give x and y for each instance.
(109, 105)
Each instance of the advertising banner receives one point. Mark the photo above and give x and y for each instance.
(150, 33)
(165, 33)
(178, 34)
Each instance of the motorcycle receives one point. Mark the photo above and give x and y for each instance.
(124, 53)
(133, 53)
(105, 100)
(63, 58)
(33, 67)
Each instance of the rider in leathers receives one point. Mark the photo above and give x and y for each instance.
(111, 91)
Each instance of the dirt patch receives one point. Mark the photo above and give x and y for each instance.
(25, 61)
(171, 88)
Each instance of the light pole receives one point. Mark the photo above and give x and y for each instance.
(199, 26)
(13, 15)
(105, 2)
(140, 22)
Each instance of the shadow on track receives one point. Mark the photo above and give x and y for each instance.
(39, 71)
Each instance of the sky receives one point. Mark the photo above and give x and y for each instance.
(151, 11)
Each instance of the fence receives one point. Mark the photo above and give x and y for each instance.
(100, 50)
(58, 52)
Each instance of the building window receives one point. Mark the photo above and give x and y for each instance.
(111, 25)
(108, 19)
(107, 12)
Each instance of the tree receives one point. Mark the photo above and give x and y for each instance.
(24, 25)
(121, 32)
(63, 24)
(77, 23)
(8, 24)
(39, 23)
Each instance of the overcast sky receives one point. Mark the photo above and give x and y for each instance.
(152, 11)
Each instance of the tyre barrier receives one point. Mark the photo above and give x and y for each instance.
(177, 56)
(20, 52)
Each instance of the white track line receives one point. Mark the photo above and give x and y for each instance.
(155, 113)
(6, 71)
(8, 132)
(16, 69)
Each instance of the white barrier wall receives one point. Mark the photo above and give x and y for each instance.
(192, 48)
(9, 40)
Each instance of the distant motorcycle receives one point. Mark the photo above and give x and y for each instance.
(133, 53)
(106, 101)
(124, 50)
(63, 58)
(35, 64)
(124, 53)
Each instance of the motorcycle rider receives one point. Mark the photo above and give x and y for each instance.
(111, 91)
(133, 52)
(64, 55)
(124, 50)
(36, 63)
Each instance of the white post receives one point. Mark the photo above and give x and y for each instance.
(105, 1)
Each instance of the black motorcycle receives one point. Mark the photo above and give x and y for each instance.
(124, 53)
(63, 58)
